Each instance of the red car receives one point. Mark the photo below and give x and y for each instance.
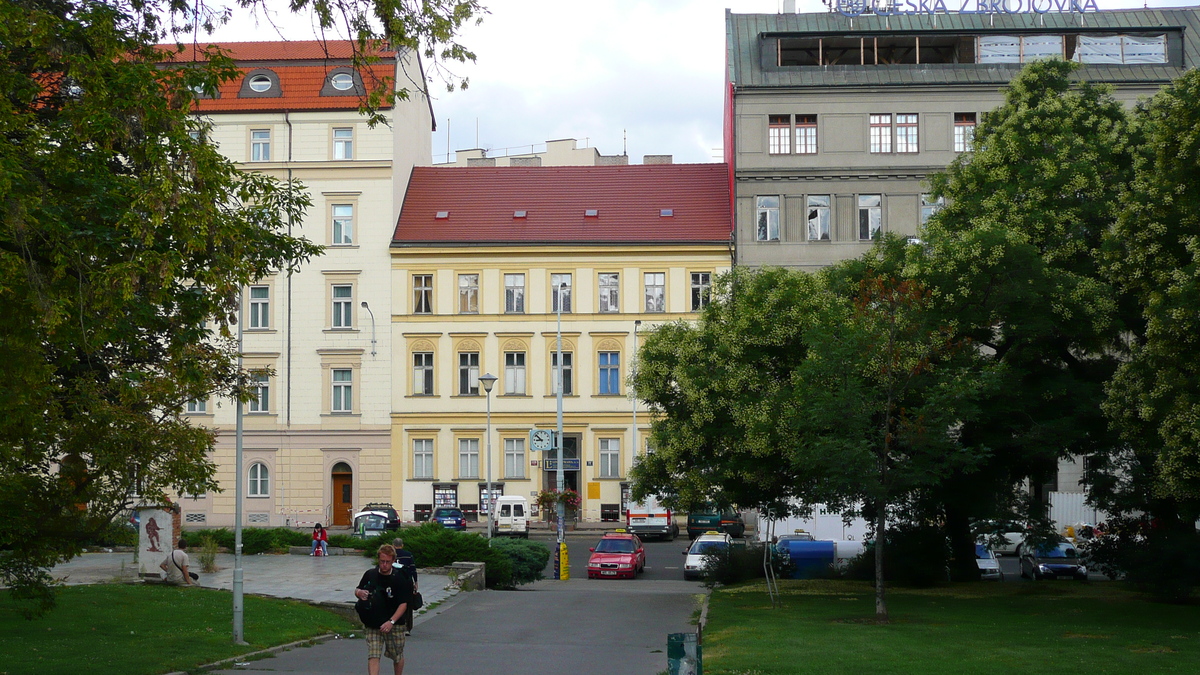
(619, 555)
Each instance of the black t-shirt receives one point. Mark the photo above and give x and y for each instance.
(395, 589)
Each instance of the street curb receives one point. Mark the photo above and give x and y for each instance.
(262, 652)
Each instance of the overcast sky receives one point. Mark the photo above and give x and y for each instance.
(637, 76)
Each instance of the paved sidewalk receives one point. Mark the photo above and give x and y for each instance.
(316, 579)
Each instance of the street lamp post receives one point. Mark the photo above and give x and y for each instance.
(487, 380)
(364, 306)
(561, 509)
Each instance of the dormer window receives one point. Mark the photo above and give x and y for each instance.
(342, 81)
(260, 83)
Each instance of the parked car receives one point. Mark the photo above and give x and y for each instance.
(393, 517)
(450, 517)
(1003, 537)
(369, 524)
(708, 543)
(782, 540)
(1052, 562)
(726, 520)
(618, 555)
(989, 565)
(651, 518)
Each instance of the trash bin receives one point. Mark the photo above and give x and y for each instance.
(683, 654)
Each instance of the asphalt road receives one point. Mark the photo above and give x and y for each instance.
(664, 559)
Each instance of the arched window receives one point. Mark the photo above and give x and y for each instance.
(342, 81)
(260, 480)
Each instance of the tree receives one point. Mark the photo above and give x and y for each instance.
(1013, 260)
(124, 247)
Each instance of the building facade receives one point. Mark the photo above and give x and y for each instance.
(834, 122)
(484, 263)
(317, 441)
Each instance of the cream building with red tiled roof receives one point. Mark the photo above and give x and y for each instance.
(476, 257)
(318, 441)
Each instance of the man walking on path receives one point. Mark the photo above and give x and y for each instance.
(389, 592)
(406, 562)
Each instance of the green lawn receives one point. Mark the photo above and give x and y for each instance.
(1044, 627)
(130, 629)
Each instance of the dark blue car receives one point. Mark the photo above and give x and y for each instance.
(1052, 562)
(450, 518)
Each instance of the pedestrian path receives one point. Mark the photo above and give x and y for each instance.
(302, 577)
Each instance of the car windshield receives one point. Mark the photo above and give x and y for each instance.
(614, 546)
(702, 547)
(982, 552)
(447, 513)
(371, 522)
(1060, 551)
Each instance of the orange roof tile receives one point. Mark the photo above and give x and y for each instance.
(302, 68)
(480, 202)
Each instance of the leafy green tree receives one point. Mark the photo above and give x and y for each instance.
(1013, 262)
(124, 245)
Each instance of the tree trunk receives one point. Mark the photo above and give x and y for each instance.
(881, 614)
(962, 545)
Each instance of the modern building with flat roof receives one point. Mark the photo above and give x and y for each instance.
(835, 121)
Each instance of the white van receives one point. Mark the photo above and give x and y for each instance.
(512, 516)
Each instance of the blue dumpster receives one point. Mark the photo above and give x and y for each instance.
(810, 559)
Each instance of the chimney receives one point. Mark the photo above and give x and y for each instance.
(657, 159)
(612, 160)
(481, 161)
(525, 161)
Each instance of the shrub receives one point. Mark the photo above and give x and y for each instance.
(1161, 561)
(257, 540)
(347, 541)
(528, 558)
(208, 553)
(741, 563)
(915, 555)
(434, 546)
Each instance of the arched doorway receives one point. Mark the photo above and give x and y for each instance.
(343, 494)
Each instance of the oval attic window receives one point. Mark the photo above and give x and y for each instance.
(260, 83)
(342, 81)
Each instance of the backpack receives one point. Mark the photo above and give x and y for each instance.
(373, 611)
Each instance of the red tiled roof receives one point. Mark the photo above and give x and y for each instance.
(300, 83)
(481, 201)
(278, 50)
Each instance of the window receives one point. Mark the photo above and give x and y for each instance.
(656, 292)
(806, 134)
(567, 388)
(870, 216)
(422, 374)
(343, 297)
(468, 458)
(260, 481)
(930, 206)
(422, 294)
(514, 373)
(610, 457)
(610, 373)
(779, 131)
(468, 373)
(260, 307)
(964, 131)
(260, 386)
(342, 81)
(343, 143)
(1019, 49)
(768, 218)
(881, 133)
(1121, 49)
(197, 406)
(610, 293)
(701, 290)
(422, 458)
(514, 293)
(818, 217)
(560, 285)
(468, 294)
(260, 83)
(343, 223)
(260, 145)
(906, 133)
(514, 458)
(343, 400)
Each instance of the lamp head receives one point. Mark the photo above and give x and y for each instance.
(364, 304)
(487, 380)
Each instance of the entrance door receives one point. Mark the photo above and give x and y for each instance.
(343, 495)
(571, 467)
